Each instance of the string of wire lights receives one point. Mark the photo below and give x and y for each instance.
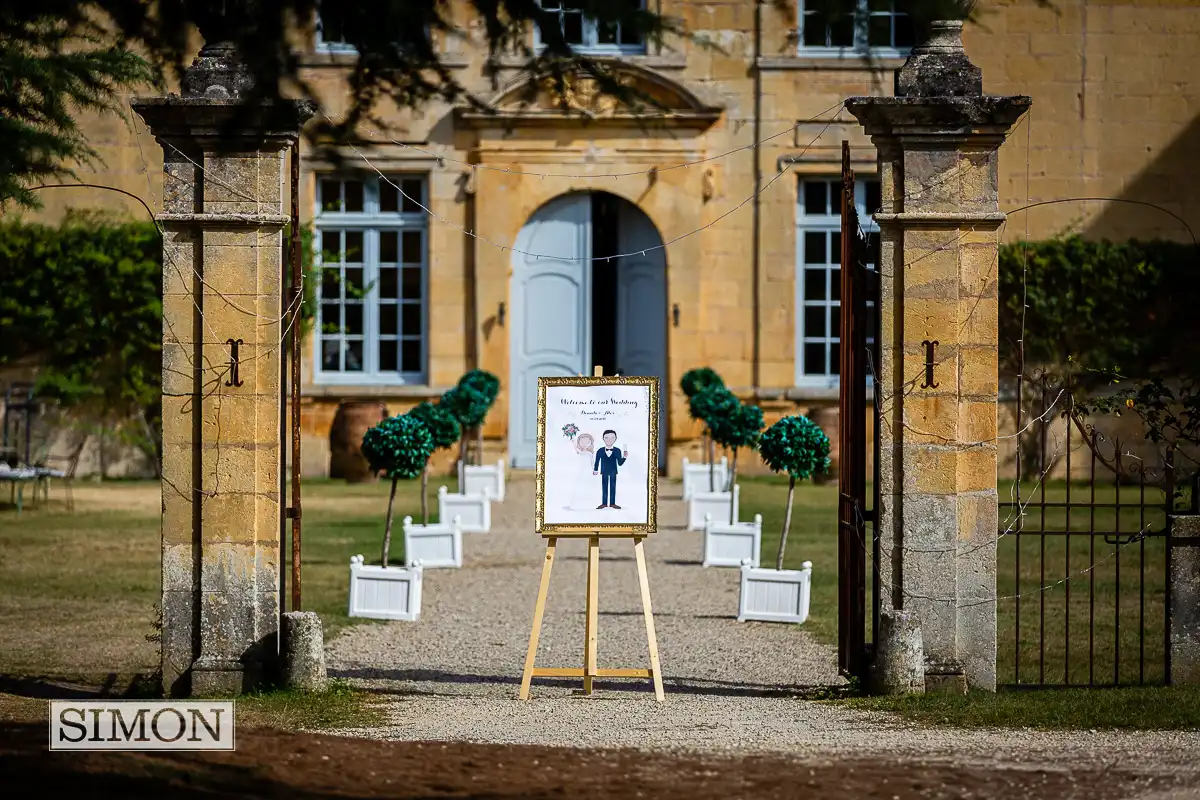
(442, 158)
(448, 223)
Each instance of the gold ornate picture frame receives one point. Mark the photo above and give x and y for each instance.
(604, 403)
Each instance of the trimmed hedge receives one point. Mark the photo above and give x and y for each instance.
(1101, 304)
(84, 301)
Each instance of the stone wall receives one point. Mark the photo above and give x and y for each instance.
(1114, 106)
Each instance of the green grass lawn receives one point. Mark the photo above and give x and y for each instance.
(813, 537)
(1130, 708)
(78, 594)
(1099, 633)
(1091, 610)
(78, 591)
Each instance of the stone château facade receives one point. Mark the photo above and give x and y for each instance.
(744, 285)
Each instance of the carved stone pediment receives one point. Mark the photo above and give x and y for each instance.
(643, 95)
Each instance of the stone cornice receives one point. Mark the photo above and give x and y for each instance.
(986, 220)
(533, 117)
(237, 123)
(938, 116)
(223, 220)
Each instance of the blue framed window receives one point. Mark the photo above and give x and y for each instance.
(819, 273)
(881, 26)
(372, 310)
(586, 35)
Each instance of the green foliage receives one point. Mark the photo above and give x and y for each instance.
(712, 403)
(738, 427)
(795, 445)
(84, 301)
(1099, 305)
(55, 61)
(695, 380)
(467, 404)
(442, 425)
(399, 446)
(482, 381)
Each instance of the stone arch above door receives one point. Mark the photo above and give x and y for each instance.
(534, 100)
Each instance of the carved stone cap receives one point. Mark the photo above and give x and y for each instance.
(983, 114)
(218, 74)
(940, 67)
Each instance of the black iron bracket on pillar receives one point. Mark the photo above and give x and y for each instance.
(929, 383)
(234, 379)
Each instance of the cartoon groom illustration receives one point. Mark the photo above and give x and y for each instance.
(608, 459)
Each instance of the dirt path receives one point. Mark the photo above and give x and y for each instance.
(269, 764)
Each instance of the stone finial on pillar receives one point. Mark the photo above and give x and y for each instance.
(937, 141)
(222, 220)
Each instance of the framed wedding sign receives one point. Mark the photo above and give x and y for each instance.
(597, 456)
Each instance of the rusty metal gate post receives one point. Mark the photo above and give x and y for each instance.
(853, 511)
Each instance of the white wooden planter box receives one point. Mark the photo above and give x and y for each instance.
(775, 595)
(696, 479)
(474, 511)
(711, 504)
(728, 545)
(379, 593)
(474, 479)
(432, 546)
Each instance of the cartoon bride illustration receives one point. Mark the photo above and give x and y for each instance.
(583, 489)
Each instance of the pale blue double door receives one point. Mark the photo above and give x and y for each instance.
(570, 311)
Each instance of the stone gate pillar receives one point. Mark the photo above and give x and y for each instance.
(937, 141)
(222, 222)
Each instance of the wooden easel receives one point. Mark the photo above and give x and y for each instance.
(589, 669)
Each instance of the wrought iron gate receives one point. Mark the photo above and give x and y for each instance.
(1084, 546)
(858, 539)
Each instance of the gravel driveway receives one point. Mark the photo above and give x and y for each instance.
(730, 686)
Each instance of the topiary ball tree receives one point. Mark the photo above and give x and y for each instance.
(470, 407)
(706, 405)
(487, 385)
(797, 446)
(735, 428)
(692, 382)
(445, 430)
(399, 446)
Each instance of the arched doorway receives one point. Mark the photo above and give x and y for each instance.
(575, 304)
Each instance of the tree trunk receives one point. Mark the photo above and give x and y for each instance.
(462, 457)
(712, 464)
(479, 444)
(425, 495)
(387, 531)
(154, 444)
(732, 481)
(787, 521)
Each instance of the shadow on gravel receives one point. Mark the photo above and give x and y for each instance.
(673, 684)
(52, 688)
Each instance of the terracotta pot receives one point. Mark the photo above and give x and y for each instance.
(352, 420)
(827, 418)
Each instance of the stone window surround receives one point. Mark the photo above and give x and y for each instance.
(371, 221)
